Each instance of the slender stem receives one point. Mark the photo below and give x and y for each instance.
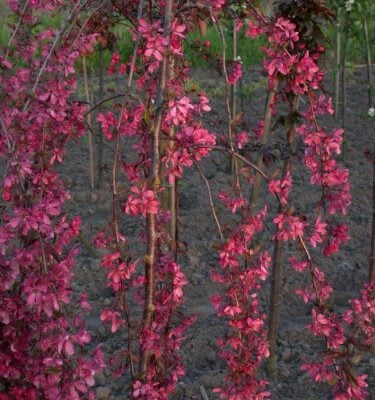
(100, 132)
(369, 64)
(232, 161)
(114, 191)
(242, 158)
(169, 195)
(136, 46)
(311, 268)
(235, 95)
(263, 140)
(372, 256)
(89, 123)
(276, 275)
(102, 101)
(210, 200)
(343, 72)
(150, 258)
(16, 28)
(337, 69)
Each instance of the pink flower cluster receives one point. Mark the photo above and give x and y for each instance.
(235, 73)
(40, 349)
(183, 142)
(245, 347)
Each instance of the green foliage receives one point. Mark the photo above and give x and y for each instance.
(4, 28)
(249, 50)
(356, 47)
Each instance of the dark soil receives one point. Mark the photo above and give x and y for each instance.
(347, 270)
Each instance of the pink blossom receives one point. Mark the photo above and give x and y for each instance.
(142, 201)
(284, 32)
(319, 232)
(178, 110)
(203, 103)
(281, 187)
(156, 47)
(299, 266)
(289, 227)
(242, 139)
(108, 121)
(236, 73)
(112, 317)
(253, 30)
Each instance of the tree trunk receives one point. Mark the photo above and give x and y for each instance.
(276, 275)
(369, 65)
(337, 70)
(263, 140)
(372, 256)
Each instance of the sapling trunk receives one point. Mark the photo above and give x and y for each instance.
(231, 161)
(152, 237)
(344, 49)
(276, 275)
(369, 64)
(337, 70)
(169, 195)
(172, 192)
(89, 123)
(372, 256)
(100, 133)
(234, 98)
(263, 140)
(234, 90)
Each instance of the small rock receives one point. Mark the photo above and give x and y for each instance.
(211, 357)
(306, 347)
(107, 302)
(205, 310)
(117, 385)
(286, 355)
(103, 393)
(94, 197)
(281, 342)
(95, 263)
(100, 379)
(197, 278)
(94, 324)
(284, 372)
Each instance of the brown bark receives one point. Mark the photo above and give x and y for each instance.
(263, 140)
(372, 256)
(151, 256)
(276, 275)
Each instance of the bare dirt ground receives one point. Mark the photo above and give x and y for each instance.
(347, 270)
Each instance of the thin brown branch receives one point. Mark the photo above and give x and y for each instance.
(17, 27)
(266, 131)
(136, 46)
(372, 255)
(276, 275)
(210, 200)
(89, 123)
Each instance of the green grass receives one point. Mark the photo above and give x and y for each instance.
(5, 31)
(249, 50)
(356, 50)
